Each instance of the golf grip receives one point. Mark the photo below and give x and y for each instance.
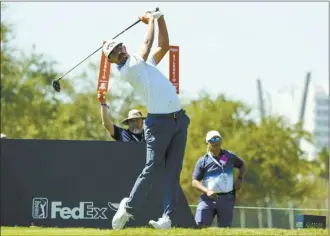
(136, 22)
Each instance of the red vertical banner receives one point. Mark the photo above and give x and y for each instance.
(174, 67)
(104, 74)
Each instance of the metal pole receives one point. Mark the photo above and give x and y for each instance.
(261, 100)
(260, 219)
(259, 215)
(304, 98)
(269, 214)
(291, 215)
(242, 217)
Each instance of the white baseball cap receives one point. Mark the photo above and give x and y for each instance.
(211, 134)
(109, 46)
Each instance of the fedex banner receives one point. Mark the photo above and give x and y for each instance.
(76, 184)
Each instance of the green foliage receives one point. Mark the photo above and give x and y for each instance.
(323, 162)
(276, 167)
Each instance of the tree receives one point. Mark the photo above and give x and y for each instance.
(322, 161)
(27, 104)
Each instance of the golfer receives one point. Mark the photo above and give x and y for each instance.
(134, 133)
(165, 127)
(213, 176)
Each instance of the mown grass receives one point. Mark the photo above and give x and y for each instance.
(37, 231)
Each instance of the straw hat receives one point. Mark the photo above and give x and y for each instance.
(133, 114)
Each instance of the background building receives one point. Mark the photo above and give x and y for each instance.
(321, 120)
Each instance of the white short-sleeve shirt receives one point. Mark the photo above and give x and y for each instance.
(156, 91)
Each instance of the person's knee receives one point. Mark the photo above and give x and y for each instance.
(153, 168)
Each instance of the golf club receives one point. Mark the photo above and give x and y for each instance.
(56, 83)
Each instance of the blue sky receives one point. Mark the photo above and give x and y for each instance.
(224, 47)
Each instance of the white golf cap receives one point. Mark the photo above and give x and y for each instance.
(211, 134)
(109, 46)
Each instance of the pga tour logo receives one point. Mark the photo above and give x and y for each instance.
(84, 210)
(39, 208)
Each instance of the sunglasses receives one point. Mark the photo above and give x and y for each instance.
(215, 140)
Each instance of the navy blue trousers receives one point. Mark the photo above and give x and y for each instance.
(166, 138)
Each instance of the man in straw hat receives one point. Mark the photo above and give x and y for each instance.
(134, 121)
(165, 127)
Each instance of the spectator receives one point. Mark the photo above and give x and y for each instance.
(215, 170)
(134, 133)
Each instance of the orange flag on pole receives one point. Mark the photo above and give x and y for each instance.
(174, 67)
(104, 74)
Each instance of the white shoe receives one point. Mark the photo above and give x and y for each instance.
(122, 216)
(162, 223)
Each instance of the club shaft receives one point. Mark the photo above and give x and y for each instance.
(136, 22)
(98, 49)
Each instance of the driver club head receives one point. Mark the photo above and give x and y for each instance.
(56, 85)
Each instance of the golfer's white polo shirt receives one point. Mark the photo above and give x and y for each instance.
(156, 91)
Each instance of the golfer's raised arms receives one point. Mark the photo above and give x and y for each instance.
(163, 41)
(149, 37)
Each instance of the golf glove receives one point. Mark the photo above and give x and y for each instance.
(154, 13)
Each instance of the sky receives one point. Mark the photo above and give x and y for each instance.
(224, 47)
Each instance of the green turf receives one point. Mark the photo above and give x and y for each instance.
(36, 231)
